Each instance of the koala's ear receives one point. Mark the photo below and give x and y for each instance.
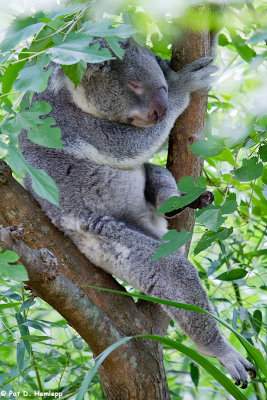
(97, 68)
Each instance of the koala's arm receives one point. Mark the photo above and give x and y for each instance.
(194, 76)
(160, 186)
(172, 277)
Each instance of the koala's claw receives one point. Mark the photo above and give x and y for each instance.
(238, 368)
(204, 200)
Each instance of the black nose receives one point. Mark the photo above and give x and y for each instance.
(159, 106)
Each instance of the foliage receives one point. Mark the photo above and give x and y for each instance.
(233, 270)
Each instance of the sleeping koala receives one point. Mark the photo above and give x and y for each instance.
(112, 123)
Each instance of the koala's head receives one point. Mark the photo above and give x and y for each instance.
(132, 90)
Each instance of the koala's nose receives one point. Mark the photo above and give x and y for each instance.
(159, 106)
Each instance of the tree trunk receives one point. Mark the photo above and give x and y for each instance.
(61, 275)
(190, 126)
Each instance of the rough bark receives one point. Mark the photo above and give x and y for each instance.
(135, 370)
(190, 126)
(132, 372)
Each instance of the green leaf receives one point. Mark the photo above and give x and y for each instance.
(115, 47)
(75, 72)
(203, 362)
(33, 78)
(88, 378)
(20, 29)
(186, 184)
(257, 320)
(208, 238)
(26, 304)
(246, 52)
(44, 186)
(76, 48)
(15, 272)
(251, 169)
(8, 256)
(10, 75)
(232, 275)
(34, 325)
(230, 204)
(35, 338)
(222, 40)
(194, 372)
(173, 241)
(211, 216)
(42, 183)
(39, 130)
(154, 299)
(20, 355)
(24, 331)
(45, 134)
(9, 305)
(105, 30)
(253, 352)
(207, 148)
(263, 152)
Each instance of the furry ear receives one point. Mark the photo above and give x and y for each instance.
(93, 69)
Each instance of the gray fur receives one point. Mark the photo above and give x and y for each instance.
(108, 191)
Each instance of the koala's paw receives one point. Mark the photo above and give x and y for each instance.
(198, 74)
(238, 368)
(164, 65)
(104, 225)
(204, 200)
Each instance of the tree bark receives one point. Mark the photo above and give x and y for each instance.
(190, 126)
(61, 275)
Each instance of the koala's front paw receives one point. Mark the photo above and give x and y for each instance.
(164, 65)
(237, 367)
(198, 74)
(204, 200)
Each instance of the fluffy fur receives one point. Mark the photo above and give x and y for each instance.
(108, 191)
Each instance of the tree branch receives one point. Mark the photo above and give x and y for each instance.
(61, 276)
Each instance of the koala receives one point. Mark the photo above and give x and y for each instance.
(112, 123)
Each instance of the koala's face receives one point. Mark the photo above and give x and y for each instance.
(131, 91)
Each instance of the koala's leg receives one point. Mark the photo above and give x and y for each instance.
(126, 253)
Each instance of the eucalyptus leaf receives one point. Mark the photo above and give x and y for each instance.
(193, 191)
(75, 72)
(76, 48)
(42, 183)
(20, 29)
(232, 275)
(207, 148)
(251, 169)
(209, 237)
(33, 78)
(173, 241)
(15, 272)
(263, 152)
(20, 355)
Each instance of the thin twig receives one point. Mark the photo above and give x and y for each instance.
(27, 58)
(76, 19)
(14, 107)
